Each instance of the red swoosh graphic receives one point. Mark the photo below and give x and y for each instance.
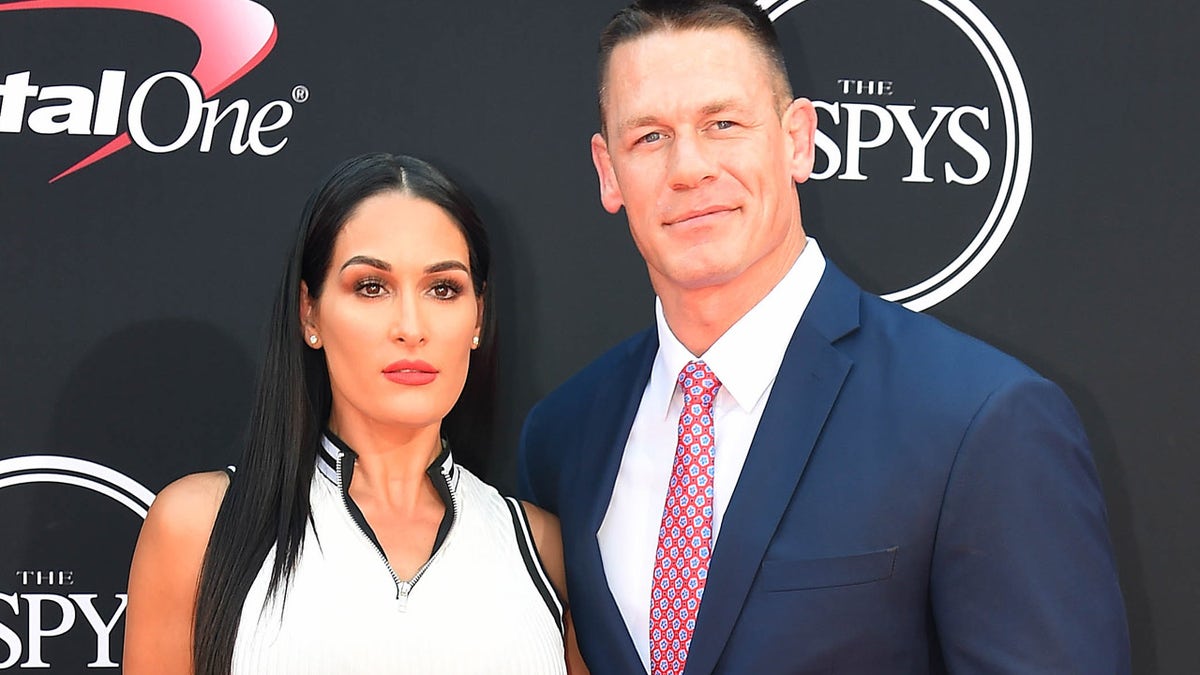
(235, 36)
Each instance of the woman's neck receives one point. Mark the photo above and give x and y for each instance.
(392, 462)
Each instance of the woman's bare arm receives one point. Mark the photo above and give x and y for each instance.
(548, 538)
(165, 575)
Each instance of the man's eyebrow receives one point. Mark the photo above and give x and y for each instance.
(719, 106)
(446, 266)
(712, 108)
(643, 121)
(367, 260)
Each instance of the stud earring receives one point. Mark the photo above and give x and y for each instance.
(312, 340)
(475, 342)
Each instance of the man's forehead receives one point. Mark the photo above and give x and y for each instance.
(685, 44)
(693, 68)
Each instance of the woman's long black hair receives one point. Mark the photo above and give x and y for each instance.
(267, 504)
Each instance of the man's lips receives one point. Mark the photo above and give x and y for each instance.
(698, 216)
(410, 372)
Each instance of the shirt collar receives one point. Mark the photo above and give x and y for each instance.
(441, 472)
(748, 355)
(332, 447)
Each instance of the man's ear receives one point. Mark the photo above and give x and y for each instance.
(610, 192)
(800, 125)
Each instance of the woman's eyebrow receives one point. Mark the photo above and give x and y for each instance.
(367, 260)
(445, 266)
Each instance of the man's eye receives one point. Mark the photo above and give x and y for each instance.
(723, 124)
(652, 137)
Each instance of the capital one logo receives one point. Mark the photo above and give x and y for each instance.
(42, 606)
(924, 137)
(234, 35)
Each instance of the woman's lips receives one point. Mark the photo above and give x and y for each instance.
(410, 372)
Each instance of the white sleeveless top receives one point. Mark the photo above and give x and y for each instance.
(481, 604)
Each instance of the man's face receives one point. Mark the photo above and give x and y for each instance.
(698, 153)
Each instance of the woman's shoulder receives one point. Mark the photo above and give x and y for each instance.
(203, 491)
(544, 524)
(204, 483)
(187, 508)
(547, 537)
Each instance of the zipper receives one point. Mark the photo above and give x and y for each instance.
(403, 588)
(406, 587)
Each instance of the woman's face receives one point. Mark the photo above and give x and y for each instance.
(396, 316)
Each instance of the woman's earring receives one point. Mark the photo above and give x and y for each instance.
(475, 342)
(312, 340)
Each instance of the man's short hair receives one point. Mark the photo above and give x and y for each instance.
(645, 17)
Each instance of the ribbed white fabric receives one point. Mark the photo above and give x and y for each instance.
(476, 608)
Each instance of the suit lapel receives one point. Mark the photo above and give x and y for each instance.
(809, 381)
(607, 645)
(613, 408)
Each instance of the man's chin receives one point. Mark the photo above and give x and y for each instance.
(697, 274)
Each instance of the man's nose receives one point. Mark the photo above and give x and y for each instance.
(691, 161)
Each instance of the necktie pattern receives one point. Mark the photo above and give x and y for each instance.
(685, 536)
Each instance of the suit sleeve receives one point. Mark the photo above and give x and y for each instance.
(1023, 577)
(537, 465)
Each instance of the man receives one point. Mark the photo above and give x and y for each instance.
(839, 485)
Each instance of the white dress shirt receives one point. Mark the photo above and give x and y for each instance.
(745, 359)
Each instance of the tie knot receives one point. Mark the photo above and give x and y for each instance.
(699, 383)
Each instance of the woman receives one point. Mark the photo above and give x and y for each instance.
(349, 540)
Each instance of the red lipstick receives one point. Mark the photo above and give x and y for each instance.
(410, 372)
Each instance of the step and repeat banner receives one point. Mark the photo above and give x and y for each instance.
(1026, 172)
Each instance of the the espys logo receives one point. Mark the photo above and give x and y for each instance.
(924, 140)
(78, 472)
(49, 602)
(234, 36)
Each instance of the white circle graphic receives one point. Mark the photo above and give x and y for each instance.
(79, 472)
(1017, 153)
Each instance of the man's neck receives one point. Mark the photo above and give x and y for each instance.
(698, 317)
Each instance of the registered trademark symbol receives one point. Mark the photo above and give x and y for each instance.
(299, 93)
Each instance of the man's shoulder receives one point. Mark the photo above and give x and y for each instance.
(928, 346)
(866, 324)
(580, 389)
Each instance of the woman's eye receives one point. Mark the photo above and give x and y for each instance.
(445, 291)
(370, 289)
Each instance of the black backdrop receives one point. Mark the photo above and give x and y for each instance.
(135, 290)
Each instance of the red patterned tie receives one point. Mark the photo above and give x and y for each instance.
(685, 537)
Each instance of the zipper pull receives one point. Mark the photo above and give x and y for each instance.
(402, 596)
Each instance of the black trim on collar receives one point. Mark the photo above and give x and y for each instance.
(442, 482)
(440, 472)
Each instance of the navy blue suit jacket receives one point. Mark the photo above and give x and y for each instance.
(914, 501)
